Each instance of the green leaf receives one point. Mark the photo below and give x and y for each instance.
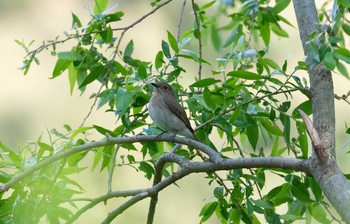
(97, 158)
(104, 131)
(234, 36)
(147, 169)
(166, 49)
(117, 16)
(142, 71)
(60, 67)
(280, 6)
(284, 107)
(159, 61)
(234, 216)
(44, 147)
(279, 195)
(205, 82)
(305, 106)
(72, 170)
(262, 204)
(107, 36)
(219, 192)
(342, 54)
(253, 135)
(278, 30)
(329, 60)
(345, 3)
(319, 213)
(271, 127)
(215, 37)
(265, 33)
(286, 130)
(72, 76)
(100, 6)
(346, 28)
(300, 191)
(303, 139)
(129, 49)
(70, 55)
(275, 147)
(208, 99)
(107, 155)
(316, 190)
(16, 159)
(79, 131)
(289, 218)
(207, 5)
(208, 210)
(123, 101)
(173, 42)
(271, 63)
(76, 22)
(245, 75)
(97, 71)
(343, 70)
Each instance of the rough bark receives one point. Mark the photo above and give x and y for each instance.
(324, 167)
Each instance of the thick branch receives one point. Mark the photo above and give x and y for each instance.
(188, 167)
(327, 173)
(158, 173)
(213, 156)
(321, 83)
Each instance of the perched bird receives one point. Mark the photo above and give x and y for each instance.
(167, 113)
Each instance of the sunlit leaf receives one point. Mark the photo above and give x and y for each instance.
(245, 75)
(205, 82)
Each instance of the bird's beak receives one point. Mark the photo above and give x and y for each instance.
(155, 84)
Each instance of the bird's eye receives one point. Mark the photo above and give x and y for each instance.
(165, 87)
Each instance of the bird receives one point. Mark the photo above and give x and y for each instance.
(167, 113)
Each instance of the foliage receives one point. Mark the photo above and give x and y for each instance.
(247, 100)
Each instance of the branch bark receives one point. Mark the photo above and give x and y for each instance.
(326, 171)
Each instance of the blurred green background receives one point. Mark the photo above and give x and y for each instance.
(30, 105)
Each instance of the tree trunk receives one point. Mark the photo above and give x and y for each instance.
(324, 168)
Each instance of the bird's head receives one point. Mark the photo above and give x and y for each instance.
(162, 88)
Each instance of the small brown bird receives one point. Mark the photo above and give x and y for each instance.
(167, 113)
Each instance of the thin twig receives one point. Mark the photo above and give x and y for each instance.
(93, 104)
(342, 98)
(70, 37)
(180, 20)
(140, 20)
(199, 40)
(103, 198)
(111, 167)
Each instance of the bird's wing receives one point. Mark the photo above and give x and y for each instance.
(176, 108)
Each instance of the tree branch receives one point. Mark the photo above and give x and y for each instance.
(158, 167)
(188, 167)
(326, 172)
(199, 39)
(213, 156)
(180, 20)
(103, 198)
(125, 29)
